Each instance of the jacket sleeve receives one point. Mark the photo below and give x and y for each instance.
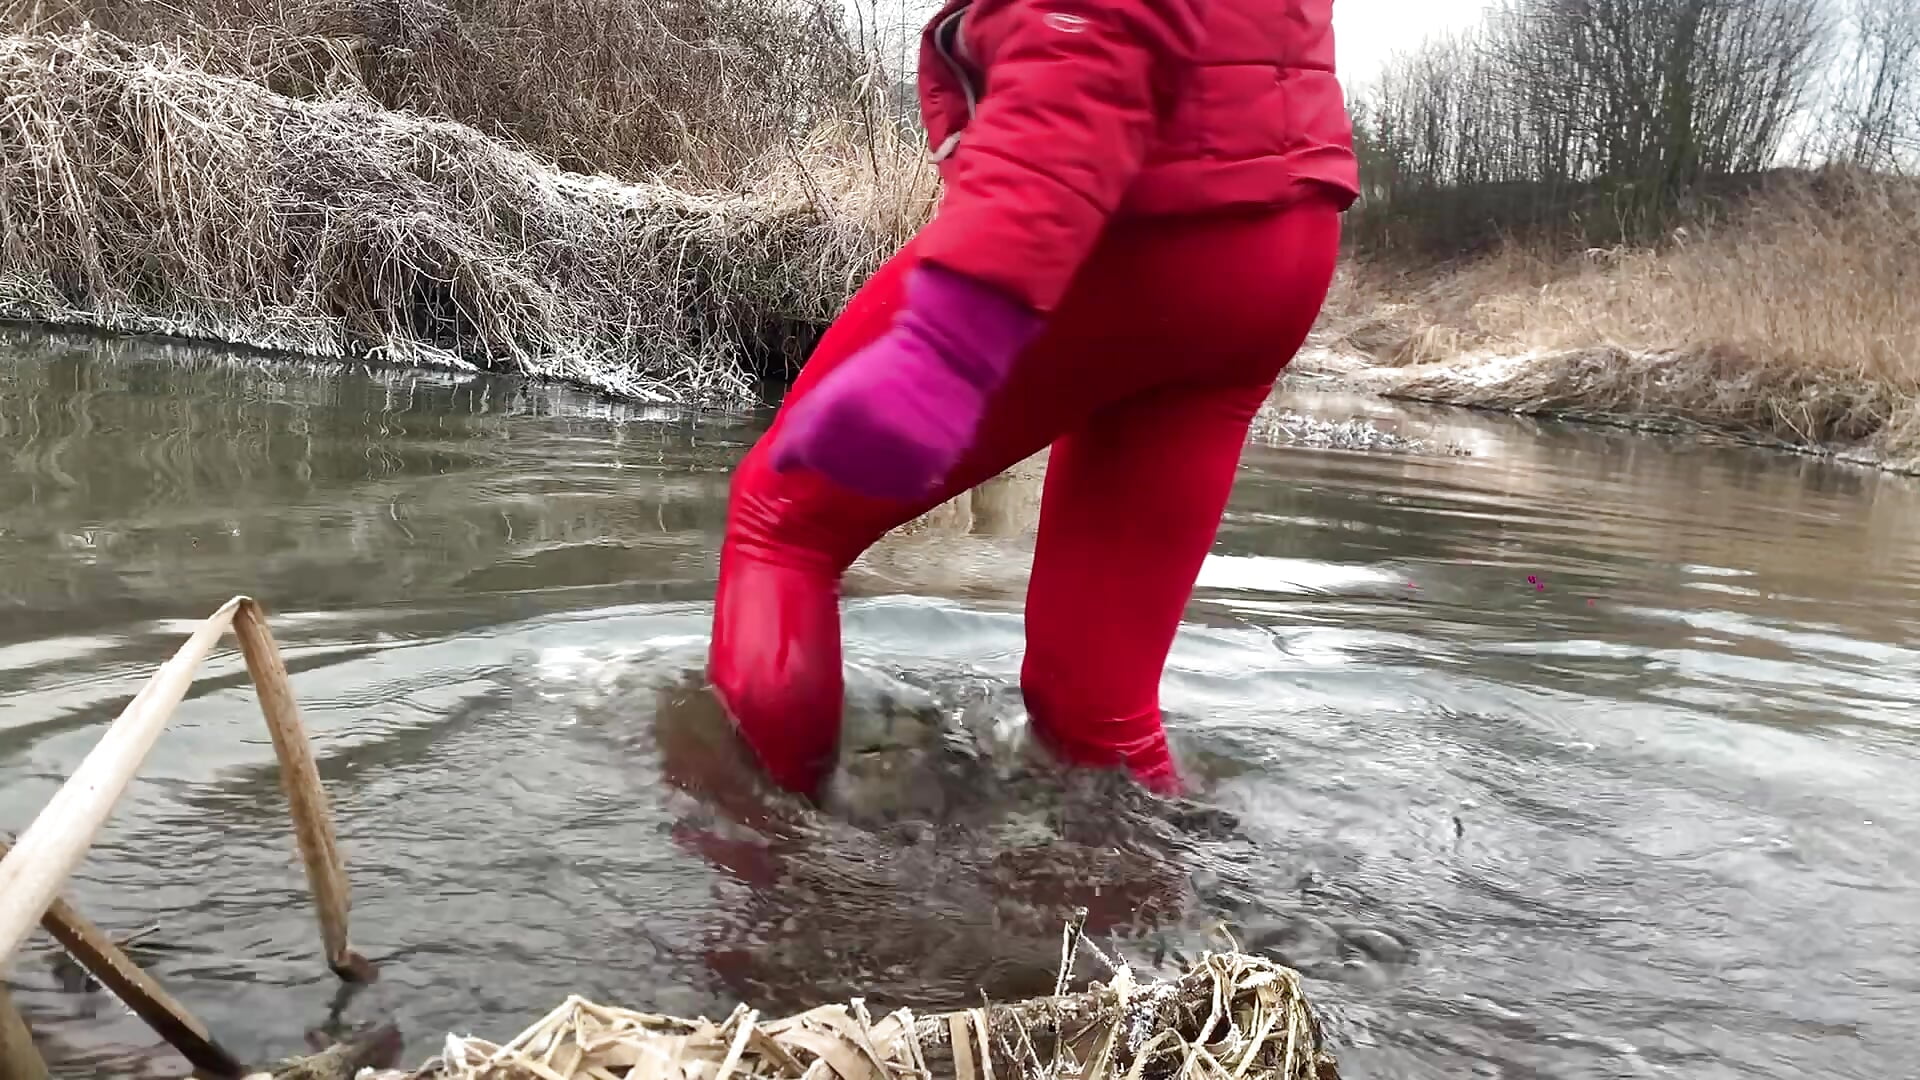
(1075, 89)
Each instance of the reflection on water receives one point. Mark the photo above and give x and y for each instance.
(1649, 813)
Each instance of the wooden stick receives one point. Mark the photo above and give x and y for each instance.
(47, 853)
(300, 779)
(136, 989)
(19, 1060)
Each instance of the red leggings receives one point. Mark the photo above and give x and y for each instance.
(1144, 385)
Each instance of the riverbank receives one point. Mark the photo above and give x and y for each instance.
(141, 193)
(1793, 322)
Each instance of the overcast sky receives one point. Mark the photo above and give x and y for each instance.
(1368, 31)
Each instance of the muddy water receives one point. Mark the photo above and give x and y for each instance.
(1545, 752)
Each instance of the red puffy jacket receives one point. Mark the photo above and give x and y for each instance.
(1050, 117)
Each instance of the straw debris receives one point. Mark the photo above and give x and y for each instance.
(1230, 1017)
(140, 193)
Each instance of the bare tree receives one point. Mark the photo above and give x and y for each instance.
(1876, 99)
(1640, 99)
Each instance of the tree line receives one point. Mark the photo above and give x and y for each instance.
(1614, 118)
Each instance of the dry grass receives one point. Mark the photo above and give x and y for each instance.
(1231, 1016)
(1796, 319)
(698, 91)
(139, 192)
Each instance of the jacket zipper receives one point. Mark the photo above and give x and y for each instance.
(950, 28)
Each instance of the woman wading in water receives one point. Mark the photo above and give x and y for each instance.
(1140, 221)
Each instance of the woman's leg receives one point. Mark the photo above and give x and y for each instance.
(1133, 498)
(1131, 507)
(775, 659)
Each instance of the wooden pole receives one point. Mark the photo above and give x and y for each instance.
(19, 1060)
(32, 875)
(300, 779)
(136, 989)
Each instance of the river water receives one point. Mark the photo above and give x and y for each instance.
(1543, 751)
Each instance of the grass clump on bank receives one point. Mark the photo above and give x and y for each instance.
(699, 92)
(1794, 319)
(141, 192)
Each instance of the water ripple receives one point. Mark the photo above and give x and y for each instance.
(1542, 751)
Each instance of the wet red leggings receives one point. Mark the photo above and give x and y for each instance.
(1144, 385)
